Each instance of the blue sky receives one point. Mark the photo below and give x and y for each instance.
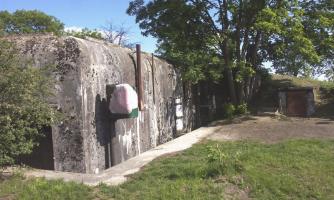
(86, 13)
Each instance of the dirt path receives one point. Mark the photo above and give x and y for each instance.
(272, 128)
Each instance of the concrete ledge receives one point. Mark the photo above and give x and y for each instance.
(118, 173)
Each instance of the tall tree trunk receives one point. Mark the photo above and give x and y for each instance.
(230, 81)
(254, 62)
(241, 93)
(227, 58)
(240, 85)
(245, 43)
(247, 88)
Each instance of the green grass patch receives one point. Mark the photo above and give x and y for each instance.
(281, 81)
(18, 187)
(297, 169)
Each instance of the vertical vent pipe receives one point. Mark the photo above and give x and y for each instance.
(139, 76)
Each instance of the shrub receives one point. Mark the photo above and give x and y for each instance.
(24, 111)
(241, 109)
(229, 110)
(220, 163)
(84, 33)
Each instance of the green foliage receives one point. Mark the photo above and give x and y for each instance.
(229, 110)
(220, 163)
(41, 189)
(85, 33)
(306, 41)
(241, 109)
(24, 111)
(185, 40)
(29, 21)
(245, 70)
(211, 38)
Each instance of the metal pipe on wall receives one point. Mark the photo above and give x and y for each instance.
(139, 75)
(153, 78)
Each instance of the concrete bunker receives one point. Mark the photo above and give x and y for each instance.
(89, 139)
(296, 101)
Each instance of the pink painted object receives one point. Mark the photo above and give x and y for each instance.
(123, 100)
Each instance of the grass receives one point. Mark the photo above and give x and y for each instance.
(297, 169)
(290, 81)
(17, 187)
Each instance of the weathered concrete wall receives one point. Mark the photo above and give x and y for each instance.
(282, 102)
(90, 138)
(310, 98)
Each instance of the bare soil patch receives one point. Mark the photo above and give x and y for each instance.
(272, 128)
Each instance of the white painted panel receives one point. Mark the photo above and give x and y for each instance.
(179, 124)
(179, 110)
(178, 101)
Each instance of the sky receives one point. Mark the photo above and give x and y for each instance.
(93, 14)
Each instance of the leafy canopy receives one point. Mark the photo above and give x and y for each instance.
(297, 36)
(24, 110)
(212, 38)
(29, 21)
(306, 49)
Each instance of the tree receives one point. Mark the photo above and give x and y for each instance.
(117, 35)
(29, 21)
(24, 111)
(319, 26)
(212, 38)
(314, 55)
(85, 33)
(113, 34)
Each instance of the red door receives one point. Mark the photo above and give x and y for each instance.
(296, 103)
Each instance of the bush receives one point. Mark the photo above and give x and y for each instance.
(24, 111)
(84, 33)
(241, 109)
(220, 163)
(229, 110)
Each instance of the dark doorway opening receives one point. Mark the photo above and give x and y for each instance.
(42, 155)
